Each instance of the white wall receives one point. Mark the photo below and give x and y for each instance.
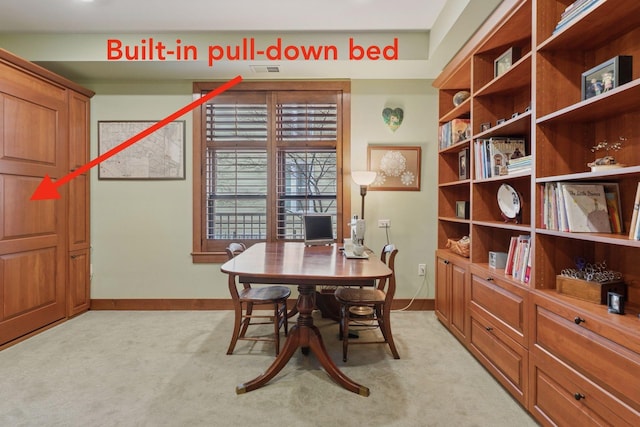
(141, 230)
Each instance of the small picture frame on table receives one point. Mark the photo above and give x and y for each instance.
(462, 209)
(615, 303)
(505, 61)
(463, 164)
(606, 76)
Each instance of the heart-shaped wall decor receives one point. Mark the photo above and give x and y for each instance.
(393, 117)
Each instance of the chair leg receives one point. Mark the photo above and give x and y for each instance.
(345, 331)
(285, 319)
(386, 332)
(276, 326)
(247, 320)
(236, 328)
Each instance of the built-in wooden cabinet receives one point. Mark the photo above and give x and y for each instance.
(453, 293)
(43, 131)
(79, 279)
(564, 371)
(499, 329)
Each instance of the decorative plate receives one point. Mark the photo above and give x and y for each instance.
(509, 201)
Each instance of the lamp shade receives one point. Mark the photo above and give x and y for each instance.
(363, 178)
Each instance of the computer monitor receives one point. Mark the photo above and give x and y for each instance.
(318, 230)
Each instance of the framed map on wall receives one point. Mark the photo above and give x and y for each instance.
(159, 155)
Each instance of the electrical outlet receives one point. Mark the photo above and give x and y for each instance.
(384, 223)
(422, 269)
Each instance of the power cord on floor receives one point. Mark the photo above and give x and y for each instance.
(420, 288)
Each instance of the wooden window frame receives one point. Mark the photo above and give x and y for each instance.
(202, 254)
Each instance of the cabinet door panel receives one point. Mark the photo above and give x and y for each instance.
(601, 360)
(562, 396)
(458, 300)
(79, 279)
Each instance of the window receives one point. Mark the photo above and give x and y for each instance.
(265, 155)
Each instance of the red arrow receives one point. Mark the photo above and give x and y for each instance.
(47, 189)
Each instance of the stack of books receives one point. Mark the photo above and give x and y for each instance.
(453, 132)
(518, 258)
(520, 164)
(493, 156)
(582, 207)
(575, 9)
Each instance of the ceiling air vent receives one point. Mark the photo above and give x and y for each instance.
(265, 68)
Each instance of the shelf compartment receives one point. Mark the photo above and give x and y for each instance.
(461, 111)
(621, 100)
(567, 144)
(490, 109)
(556, 251)
(515, 126)
(448, 163)
(485, 238)
(627, 184)
(451, 228)
(484, 199)
(516, 77)
(603, 22)
(449, 195)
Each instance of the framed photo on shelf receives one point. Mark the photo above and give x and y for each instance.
(397, 167)
(462, 209)
(615, 303)
(485, 126)
(606, 76)
(463, 164)
(505, 61)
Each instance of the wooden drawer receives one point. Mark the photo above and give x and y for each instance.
(611, 365)
(503, 357)
(561, 396)
(503, 301)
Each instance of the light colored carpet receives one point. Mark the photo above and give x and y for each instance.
(170, 368)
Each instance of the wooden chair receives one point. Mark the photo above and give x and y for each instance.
(246, 298)
(377, 299)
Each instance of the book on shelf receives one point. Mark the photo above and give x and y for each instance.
(634, 227)
(494, 155)
(520, 258)
(508, 268)
(454, 131)
(519, 165)
(573, 11)
(614, 207)
(586, 207)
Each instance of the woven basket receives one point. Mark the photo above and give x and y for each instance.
(460, 247)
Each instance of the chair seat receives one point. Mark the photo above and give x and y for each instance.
(266, 294)
(360, 296)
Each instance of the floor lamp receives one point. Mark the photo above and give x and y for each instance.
(363, 179)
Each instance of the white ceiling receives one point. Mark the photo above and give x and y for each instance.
(211, 15)
(69, 36)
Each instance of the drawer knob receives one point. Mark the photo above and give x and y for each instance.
(489, 279)
(489, 328)
(578, 320)
(447, 262)
(578, 396)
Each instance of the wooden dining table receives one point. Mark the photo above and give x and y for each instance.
(307, 267)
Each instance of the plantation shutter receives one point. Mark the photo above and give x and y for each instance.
(306, 139)
(236, 167)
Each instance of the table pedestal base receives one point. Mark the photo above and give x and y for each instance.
(307, 336)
